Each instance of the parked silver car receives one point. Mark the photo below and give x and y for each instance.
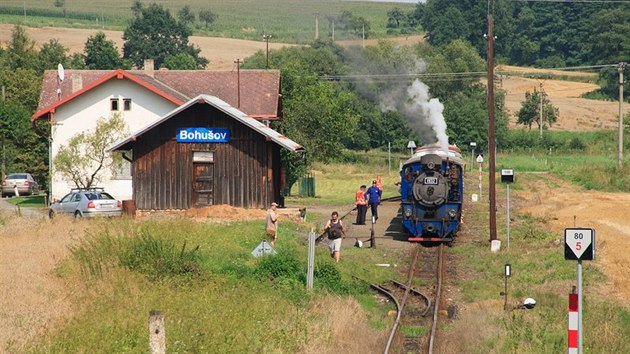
(87, 203)
(25, 183)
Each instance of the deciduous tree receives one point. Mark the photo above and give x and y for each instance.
(181, 61)
(155, 34)
(51, 55)
(185, 15)
(208, 17)
(530, 110)
(102, 54)
(84, 160)
(20, 52)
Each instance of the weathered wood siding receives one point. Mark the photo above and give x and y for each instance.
(246, 169)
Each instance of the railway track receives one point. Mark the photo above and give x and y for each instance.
(418, 308)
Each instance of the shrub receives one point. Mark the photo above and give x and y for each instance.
(284, 264)
(577, 144)
(158, 258)
(327, 276)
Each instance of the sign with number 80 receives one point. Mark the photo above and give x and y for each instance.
(579, 244)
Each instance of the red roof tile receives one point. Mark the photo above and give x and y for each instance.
(259, 90)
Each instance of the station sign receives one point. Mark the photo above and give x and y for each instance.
(203, 135)
(479, 158)
(579, 244)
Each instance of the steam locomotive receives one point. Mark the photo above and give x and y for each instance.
(432, 190)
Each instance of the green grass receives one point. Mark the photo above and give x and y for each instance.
(286, 21)
(32, 201)
(215, 296)
(538, 271)
(336, 184)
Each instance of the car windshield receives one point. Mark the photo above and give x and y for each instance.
(99, 196)
(16, 176)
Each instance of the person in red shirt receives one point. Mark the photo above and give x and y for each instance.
(379, 183)
(361, 204)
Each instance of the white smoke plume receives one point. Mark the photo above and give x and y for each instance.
(423, 113)
(427, 112)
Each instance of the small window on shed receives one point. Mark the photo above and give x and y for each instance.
(114, 104)
(127, 104)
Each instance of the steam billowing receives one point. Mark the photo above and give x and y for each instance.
(423, 113)
(413, 100)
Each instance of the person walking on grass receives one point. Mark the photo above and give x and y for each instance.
(361, 204)
(272, 224)
(373, 196)
(336, 232)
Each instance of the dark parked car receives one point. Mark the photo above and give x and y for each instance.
(25, 183)
(88, 202)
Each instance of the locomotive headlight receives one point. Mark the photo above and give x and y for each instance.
(408, 212)
(452, 213)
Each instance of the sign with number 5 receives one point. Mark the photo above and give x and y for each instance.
(579, 244)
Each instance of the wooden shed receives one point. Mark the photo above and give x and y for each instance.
(205, 152)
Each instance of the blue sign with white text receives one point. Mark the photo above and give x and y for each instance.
(203, 135)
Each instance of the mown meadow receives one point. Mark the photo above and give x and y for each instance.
(286, 21)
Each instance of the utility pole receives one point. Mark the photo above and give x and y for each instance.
(541, 108)
(266, 38)
(317, 26)
(622, 66)
(333, 30)
(4, 151)
(491, 142)
(238, 83)
(363, 36)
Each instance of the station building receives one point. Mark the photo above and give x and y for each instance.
(205, 152)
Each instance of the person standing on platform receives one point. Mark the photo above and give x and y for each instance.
(272, 224)
(373, 196)
(361, 204)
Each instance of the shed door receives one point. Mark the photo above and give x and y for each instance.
(203, 184)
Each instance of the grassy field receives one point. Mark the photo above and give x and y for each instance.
(335, 184)
(216, 297)
(538, 271)
(287, 21)
(31, 201)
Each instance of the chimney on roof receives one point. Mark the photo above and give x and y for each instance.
(77, 82)
(149, 67)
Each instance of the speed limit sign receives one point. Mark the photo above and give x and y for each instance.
(579, 244)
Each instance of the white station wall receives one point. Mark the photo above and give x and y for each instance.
(81, 114)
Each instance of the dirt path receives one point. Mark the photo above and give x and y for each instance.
(32, 298)
(557, 201)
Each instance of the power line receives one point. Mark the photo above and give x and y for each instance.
(452, 75)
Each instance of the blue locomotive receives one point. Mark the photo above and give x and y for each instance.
(432, 190)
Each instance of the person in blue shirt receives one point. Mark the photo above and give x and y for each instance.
(373, 196)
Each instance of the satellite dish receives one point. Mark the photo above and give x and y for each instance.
(60, 72)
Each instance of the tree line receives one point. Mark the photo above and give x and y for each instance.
(540, 33)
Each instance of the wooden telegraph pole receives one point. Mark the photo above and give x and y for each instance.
(491, 142)
(622, 66)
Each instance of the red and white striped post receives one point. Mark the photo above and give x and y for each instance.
(480, 162)
(573, 324)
